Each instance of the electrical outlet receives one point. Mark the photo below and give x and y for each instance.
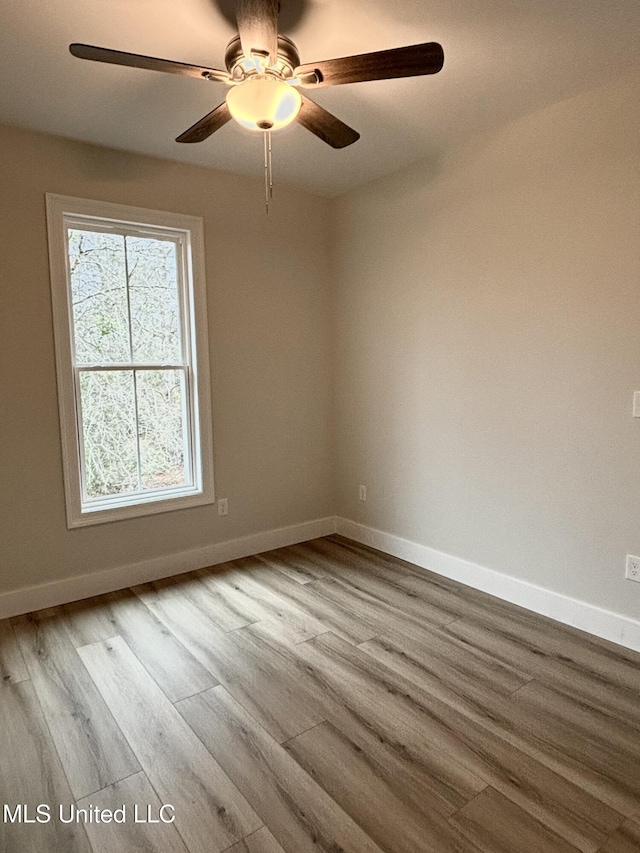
(223, 506)
(362, 494)
(633, 568)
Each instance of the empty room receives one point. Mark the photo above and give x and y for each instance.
(320, 426)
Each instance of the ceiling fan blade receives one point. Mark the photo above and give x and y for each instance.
(326, 126)
(258, 27)
(151, 63)
(413, 61)
(207, 125)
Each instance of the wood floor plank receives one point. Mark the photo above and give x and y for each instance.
(438, 652)
(211, 598)
(454, 600)
(496, 825)
(380, 609)
(211, 814)
(259, 677)
(382, 804)
(168, 662)
(460, 598)
(446, 595)
(31, 774)
(243, 589)
(334, 616)
(608, 772)
(91, 746)
(579, 726)
(560, 646)
(297, 562)
(626, 839)
(547, 666)
(440, 782)
(301, 816)
(363, 713)
(227, 611)
(181, 614)
(271, 632)
(377, 562)
(265, 648)
(425, 722)
(452, 595)
(173, 608)
(231, 606)
(333, 553)
(87, 621)
(552, 629)
(12, 666)
(358, 577)
(440, 590)
(115, 837)
(261, 841)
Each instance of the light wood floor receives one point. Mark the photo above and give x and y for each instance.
(322, 697)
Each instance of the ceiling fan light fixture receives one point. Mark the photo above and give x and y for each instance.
(263, 103)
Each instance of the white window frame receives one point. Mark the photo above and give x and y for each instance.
(188, 231)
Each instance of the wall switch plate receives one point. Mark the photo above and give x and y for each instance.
(223, 506)
(636, 404)
(362, 493)
(633, 568)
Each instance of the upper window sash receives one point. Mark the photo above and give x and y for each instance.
(127, 289)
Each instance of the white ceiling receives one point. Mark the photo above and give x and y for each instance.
(503, 60)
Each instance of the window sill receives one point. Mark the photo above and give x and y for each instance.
(147, 506)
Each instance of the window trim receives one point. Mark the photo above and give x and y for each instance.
(58, 209)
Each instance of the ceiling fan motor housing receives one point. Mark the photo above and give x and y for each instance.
(240, 66)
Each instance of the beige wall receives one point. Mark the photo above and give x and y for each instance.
(268, 308)
(484, 352)
(488, 344)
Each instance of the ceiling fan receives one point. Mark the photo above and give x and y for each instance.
(264, 73)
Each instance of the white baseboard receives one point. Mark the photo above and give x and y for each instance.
(579, 614)
(84, 586)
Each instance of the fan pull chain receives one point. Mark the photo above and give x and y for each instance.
(268, 170)
(266, 173)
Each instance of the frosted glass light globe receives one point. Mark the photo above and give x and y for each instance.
(263, 103)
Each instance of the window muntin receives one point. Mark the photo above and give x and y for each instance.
(133, 374)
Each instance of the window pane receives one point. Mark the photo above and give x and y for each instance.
(99, 297)
(162, 428)
(153, 292)
(109, 429)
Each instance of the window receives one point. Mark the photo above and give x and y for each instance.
(130, 327)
